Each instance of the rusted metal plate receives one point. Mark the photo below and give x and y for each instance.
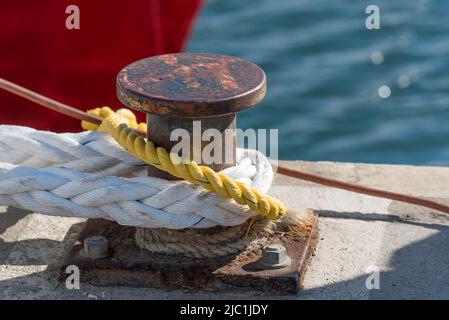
(191, 85)
(127, 265)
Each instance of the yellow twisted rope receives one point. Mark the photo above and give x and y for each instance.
(120, 124)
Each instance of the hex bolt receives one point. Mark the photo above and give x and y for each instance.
(95, 247)
(176, 89)
(274, 256)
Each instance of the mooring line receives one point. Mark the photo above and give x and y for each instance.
(80, 115)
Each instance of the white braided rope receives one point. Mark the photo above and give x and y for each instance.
(85, 151)
(55, 177)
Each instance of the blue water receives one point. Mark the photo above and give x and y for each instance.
(323, 85)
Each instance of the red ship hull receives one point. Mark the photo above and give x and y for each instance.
(79, 67)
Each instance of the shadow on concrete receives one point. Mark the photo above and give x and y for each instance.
(8, 219)
(418, 271)
(12, 216)
(30, 252)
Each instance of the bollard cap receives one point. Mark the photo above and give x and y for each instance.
(191, 85)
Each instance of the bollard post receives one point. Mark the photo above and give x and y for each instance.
(174, 90)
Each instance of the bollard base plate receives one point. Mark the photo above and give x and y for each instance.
(127, 265)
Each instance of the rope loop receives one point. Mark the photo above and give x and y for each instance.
(120, 125)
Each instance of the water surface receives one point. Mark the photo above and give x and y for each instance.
(324, 71)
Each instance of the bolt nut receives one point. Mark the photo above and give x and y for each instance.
(274, 256)
(95, 247)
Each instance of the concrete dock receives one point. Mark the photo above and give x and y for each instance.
(399, 250)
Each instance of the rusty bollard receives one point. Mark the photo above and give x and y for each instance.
(176, 89)
(173, 90)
